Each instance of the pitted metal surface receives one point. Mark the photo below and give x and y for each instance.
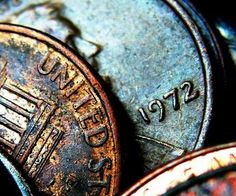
(178, 174)
(55, 118)
(154, 55)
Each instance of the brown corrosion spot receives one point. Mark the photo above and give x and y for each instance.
(55, 117)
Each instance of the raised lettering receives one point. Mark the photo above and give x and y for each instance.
(58, 73)
(144, 115)
(161, 107)
(89, 96)
(78, 83)
(47, 65)
(103, 184)
(61, 76)
(175, 98)
(92, 116)
(97, 136)
(94, 166)
(189, 94)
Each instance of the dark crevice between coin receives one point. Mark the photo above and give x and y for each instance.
(28, 180)
(221, 129)
(8, 185)
(132, 164)
(217, 9)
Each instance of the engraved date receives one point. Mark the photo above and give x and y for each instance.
(158, 105)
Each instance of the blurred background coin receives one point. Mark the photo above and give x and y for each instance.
(12, 182)
(55, 118)
(217, 182)
(188, 170)
(223, 17)
(160, 59)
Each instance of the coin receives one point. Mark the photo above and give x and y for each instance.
(158, 57)
(185, 169)
(219, 182)
(223, 18)
(55, 118)
(11, 180)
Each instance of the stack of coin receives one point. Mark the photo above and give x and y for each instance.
(96, 94)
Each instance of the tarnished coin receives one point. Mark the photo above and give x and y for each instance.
(185, 169)
(219, 182)
(12, 182)
(158, 56)
(55, 119)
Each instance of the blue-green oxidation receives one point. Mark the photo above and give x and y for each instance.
(154, 56)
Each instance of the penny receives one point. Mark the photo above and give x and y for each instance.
(185, 169)
(55, 118)
(158, 57)
(219, 182)
(11, 180)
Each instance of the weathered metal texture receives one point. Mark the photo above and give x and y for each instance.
(157, 56)
(219, 182)
(12, 179)
(55, 118)
(184, 169)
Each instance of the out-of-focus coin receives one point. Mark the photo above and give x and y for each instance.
(158, 56)
(55, 118)
(228, 32)
(12, 182)
(223, 17)
(217, 182)
(185, 169)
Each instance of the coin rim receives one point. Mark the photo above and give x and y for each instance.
(88, 73)
(201, 179)
(16, 176)
(216, 59)
(191, 25)
(172, 164)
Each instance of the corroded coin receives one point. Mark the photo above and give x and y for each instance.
(55, 119)
(158, 55)
(184, 170)
(12, 182)
(218, 182)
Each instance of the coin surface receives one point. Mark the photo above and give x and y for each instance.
(55, 118)
(218, 182)
(12, 182)
(185, 169)
(157, 55)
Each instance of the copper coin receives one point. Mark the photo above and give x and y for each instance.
(184, 169)
(55, 118)
(159, 57)
(216, 183)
